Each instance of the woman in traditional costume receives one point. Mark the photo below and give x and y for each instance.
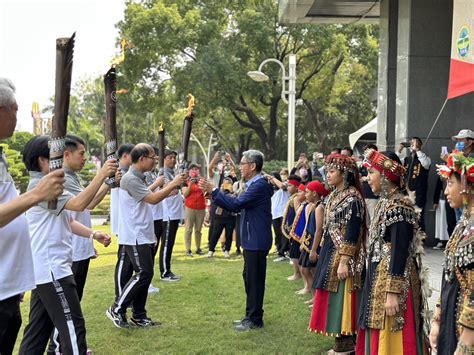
(289, 217)
(341, 262)
(315, 194)
(393, 306)
(452, 326)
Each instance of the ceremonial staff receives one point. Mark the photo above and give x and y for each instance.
(187, 127)
(64, 54)
(161, 147)
(110, 86)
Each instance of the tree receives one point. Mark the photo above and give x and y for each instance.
(16, 168)
(207, 47)
(18, 140)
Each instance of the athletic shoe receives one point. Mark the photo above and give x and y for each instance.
(170, 277)
(279, 259)
(144, 323)
(152, 289)
(119, 320)
(439, 246)
(210, 254)
(188, 253)
(199, 252)
(226, 254)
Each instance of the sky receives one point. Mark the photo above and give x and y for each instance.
(28, 32)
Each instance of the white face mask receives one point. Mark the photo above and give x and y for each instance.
(303, 172)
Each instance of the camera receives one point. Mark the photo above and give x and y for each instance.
(406, 144)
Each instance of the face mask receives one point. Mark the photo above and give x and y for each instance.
(303, 172)
(460, 146)
(284, 177)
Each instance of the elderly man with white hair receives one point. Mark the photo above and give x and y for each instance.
(16, 264)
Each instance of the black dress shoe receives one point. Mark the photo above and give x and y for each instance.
(248, 325)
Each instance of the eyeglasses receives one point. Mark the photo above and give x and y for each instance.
(245, 162)
(155, 158)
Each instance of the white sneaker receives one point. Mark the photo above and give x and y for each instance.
(226, 254)
(210, 254)
(152, 289)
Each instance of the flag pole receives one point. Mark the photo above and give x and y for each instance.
(436, 121)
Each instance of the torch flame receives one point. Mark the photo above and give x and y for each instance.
(190, 104)
(119, 59)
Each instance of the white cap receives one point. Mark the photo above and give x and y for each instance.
(464, 133)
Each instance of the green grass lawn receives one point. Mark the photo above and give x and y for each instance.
(197, 312)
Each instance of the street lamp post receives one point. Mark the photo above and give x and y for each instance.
(291, 92)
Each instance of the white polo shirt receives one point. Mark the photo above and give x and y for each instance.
(115, 204)
(82, 248)
(279, 201)
(136, 217)
(173, 206)
(16, 261)
(51, 237)
(157, 210)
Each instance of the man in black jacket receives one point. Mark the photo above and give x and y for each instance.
(418, 167)
(256, 232)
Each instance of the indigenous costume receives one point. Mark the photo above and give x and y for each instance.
(298, 230)
(394, 265)
(457, 296)
(335, 301)
(308, 235)
(288, 220)
(289, 213)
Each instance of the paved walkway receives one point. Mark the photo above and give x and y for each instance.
(433, 260)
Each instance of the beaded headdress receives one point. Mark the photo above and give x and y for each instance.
(340, 162)
(464, 166)
(458, 163)
(393, 170)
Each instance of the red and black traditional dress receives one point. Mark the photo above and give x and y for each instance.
(457, 287)
(288, 217)
(336, 302)
(308, 236)
(394, 265)
(298, 226)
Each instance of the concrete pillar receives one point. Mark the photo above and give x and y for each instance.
(424, 48)
(387, 81)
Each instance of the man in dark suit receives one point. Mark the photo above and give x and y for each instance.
(255, 230)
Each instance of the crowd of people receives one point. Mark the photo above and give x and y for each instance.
(352, 228)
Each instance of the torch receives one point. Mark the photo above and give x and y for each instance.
(161, 147)
(187, 127)
(64, 54)
(110, 85)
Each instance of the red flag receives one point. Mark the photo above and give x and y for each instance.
(461, 75)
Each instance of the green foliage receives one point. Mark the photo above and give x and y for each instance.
(18, 140)
(87, 114)
(87, 173)
(103, 208)
(208, 47)
(16, 168)
(274, 165)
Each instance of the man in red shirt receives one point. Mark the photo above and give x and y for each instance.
(195, 209)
